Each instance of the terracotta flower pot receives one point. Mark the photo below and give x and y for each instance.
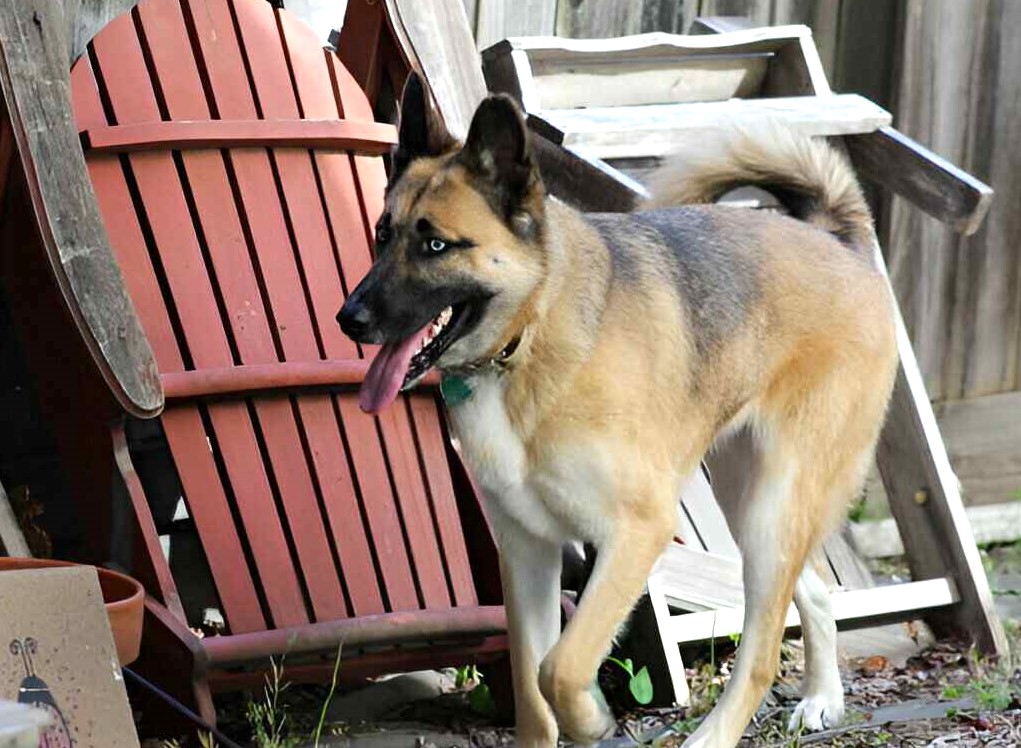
(123, 598)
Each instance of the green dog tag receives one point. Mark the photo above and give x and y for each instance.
(455, 389)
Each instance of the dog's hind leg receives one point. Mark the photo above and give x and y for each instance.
(822, 705)
(567, 676)
(774, 546)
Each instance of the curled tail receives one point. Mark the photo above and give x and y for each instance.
(813, 181)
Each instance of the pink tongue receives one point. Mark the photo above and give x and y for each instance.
(386, 374)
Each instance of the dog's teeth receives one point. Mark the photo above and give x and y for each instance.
(445, 316)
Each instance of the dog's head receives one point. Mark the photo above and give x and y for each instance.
(458, 247)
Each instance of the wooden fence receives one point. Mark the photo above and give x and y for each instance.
(948, 70)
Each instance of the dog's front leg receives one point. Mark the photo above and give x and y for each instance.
(530, 571)
(568, 674)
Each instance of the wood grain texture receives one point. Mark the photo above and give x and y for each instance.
(339, 135)
(436, 37)
(983, 438)
(499, 19)
(944, 191)
(959, 296)
(759, 12)
(86, 18)
(936, 534)
(36, 88)
(652, 130)
(823, 17)
(598, 18)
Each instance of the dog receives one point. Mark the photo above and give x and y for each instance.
(589, 362)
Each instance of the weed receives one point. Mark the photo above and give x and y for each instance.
(268, 718)
(992, 685)
(317, 733)
(639, 683)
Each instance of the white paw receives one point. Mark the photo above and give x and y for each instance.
(817, 712)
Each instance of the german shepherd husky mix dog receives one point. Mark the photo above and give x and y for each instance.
(590, 361)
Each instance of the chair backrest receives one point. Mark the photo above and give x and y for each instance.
(237, 168)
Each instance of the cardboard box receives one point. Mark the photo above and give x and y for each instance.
(57, 653)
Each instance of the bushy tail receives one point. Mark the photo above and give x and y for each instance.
(813, 181)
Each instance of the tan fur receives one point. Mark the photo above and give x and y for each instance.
(705, 169)
(608, 404)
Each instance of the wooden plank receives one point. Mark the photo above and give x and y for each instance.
(499, 19)
(671, 653)
(933, 271)
(866, 48)
(983, 438)
(173, 59)
(851, 609)
(36, 88)
(992, 523)
(757, 11)
(994, 356)
(435, 35)
(390, 489)
(268, 218)
(848, 569)
(316, 97)
(914, 465)
(700, 504)
(165, 200)
(86, 18)
(431, 447)
(654, 45)
(822, 17)
(671, 16)
(701, 580)
(337, 135)
(598, 18)
(652, 130)
(235, 587)
(942, 190)
(12, 539)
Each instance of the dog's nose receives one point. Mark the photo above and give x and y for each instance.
(355, 319)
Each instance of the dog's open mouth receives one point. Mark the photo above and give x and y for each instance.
(400, 364)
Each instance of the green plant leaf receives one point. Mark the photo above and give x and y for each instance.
(627, 666)
(481, 700)
(640, 686)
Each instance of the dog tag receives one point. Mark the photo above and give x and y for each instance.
(455, 389)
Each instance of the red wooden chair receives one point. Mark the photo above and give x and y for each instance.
(239, 175)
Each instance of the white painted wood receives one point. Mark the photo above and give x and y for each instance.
(699, 580)
(552, 47)
(851, 608)
(671, 653)
(655, 129)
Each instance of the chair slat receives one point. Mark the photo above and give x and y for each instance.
(432, 451)
(165, 202)
(276, 95)
(122, 226)
(240, 294)
(261, 202)
(315, 97)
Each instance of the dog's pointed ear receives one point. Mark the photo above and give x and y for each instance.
(421, 132)
(498, 150)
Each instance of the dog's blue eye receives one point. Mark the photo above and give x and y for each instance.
(436, 245)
